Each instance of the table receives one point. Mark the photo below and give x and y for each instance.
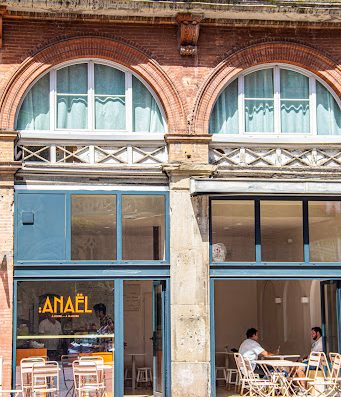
(279, 367)
(133, 368)
(283, 357)
(226, 358)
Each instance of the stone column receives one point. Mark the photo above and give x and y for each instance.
(8, 167)
(189, 251)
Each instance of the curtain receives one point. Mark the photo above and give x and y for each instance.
(294, 94)
(72, 97)
(34, 113)
(259, 103)
(328, 112)
(110, 111)
(224, 116)
(146, 113)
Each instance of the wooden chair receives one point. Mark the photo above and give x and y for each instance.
(88, 378)
(26, 366)
(311, 373)
(330, 384)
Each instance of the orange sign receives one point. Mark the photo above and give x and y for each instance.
(66, 306)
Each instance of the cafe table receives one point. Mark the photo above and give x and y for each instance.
(278, 356)
(279, 370)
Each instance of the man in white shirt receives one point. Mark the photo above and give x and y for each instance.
(251, 349)
(50, 326)
(316, 334)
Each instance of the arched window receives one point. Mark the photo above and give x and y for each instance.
(276, 100)
(90, 96)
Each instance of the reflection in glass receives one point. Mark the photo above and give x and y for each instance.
(281, 231)
(143, 223)
(93, 227)
(233, 231)
(64, 321)
(325, 231)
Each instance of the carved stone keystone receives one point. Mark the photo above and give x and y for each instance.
(188, 32)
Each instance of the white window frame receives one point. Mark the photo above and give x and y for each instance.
(91, 133)
(278, 136)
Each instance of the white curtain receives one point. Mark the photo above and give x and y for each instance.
(294, 102)
(328, 112)
(259, 103)
(224, 116)
(109, 98)
(72, 97)
(34, 113)
(146, 113)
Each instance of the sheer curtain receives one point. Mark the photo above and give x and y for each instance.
(294, 102)
(110, 111)
(34, 113)
(72, 97)
(259, 102)
(146, 113)
(224, 116)
(328, 112)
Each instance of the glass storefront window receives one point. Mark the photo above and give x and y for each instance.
(233, 231)
(93, 227)
(281, 231)
(143, 227)
(58, 318)
(325, 231)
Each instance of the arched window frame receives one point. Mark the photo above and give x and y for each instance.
(277, 135)
(91, 133)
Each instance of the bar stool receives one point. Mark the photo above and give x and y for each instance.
(144, 375)
(126, 374)
(220, 374)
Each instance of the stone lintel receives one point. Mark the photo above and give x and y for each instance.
(180, 174)
(185, 138)
(9, 167)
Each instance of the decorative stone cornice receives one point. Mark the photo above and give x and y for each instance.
(187, 169)
(185, 138)
(8, 135)
(188, 32)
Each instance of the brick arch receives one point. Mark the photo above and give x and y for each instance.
(262, 53)
(104, 48)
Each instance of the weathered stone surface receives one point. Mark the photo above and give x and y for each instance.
(190, 379)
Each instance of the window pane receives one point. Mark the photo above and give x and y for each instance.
(328, 112)
(294, 85)
(259, 84)
(259, 116)
(34, 113)
(146, 113)
(233, 231)
(224, 117)
(110, 113)
(93, 231)
(55, 318)
(281, 231)
(73, 79)
(295, 116)
(143, 227)
(109, 81)
(325, 231)
(72, 112)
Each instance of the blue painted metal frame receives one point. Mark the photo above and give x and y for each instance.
(212, 339)
(119, 259)
(118, 327)
(323, 269)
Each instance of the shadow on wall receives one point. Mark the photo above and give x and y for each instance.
(4, 278)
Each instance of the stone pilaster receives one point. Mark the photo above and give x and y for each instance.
(8, 167)
(190, 330)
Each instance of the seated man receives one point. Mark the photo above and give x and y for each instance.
(251, 349)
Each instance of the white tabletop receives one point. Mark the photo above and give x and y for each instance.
(282, 356)
(224, 353)
(280, 363)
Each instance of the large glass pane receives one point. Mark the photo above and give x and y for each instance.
(330, 316)
(233, 231)
(64, 321)
(325, 231)
(93, 232)
(143, 219)
(110, 113)
(294, 102)
(146, 113)
(109, 81)
(72, 112)
(34, 113)
(72, 100)
(328, 112)
(224, 117)
(281, 231)
(259, 104)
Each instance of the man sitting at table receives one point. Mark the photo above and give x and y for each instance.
(252, 350)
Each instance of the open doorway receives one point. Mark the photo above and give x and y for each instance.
(284, 312)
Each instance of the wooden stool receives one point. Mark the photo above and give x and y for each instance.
(144, 375)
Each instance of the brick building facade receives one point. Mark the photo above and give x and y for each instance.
(186, 53)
